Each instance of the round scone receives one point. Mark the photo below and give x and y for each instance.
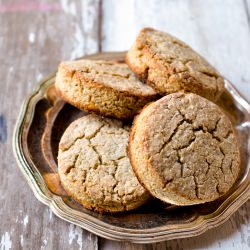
(94, 167)
(169, 65)
(105, 87)
(184, 150)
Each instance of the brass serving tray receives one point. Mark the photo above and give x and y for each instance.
(43, 119)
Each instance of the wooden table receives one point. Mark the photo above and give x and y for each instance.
(36, 35)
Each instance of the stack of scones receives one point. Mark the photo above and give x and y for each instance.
(181, 147)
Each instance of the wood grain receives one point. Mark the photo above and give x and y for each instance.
(34, 38)
(36, 35)
(247, 8)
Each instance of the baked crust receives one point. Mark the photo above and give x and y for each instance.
(184, 150)
(107, 88)
(169, 65)
(94, 167)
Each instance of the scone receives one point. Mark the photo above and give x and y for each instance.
(107, 88)
(169, 65)
(94, 167)
(184, 150)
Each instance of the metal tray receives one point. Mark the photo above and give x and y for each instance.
(43, 119)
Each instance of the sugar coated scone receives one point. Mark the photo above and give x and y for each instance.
(169, 65)
(94, 167)
(107, 88)
(184, 149)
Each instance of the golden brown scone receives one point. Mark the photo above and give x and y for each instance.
(169, 65)
(108, 88)
(94, 167)
(184, 150)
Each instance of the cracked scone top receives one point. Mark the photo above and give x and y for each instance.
(105, 87)
(184, 150)
(94, 167)
(169, 65)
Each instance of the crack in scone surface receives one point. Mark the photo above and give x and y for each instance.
(95, 164)
(193, 148)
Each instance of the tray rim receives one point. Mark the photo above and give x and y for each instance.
(103, 229)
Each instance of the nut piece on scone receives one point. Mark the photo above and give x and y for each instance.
(184, 149)
(169, 65)
(105, 87)
(94, 167)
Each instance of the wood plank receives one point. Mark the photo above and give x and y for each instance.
(247, 8)
(219, 30)
(34, 38)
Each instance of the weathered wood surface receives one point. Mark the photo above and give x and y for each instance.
(36, 35)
